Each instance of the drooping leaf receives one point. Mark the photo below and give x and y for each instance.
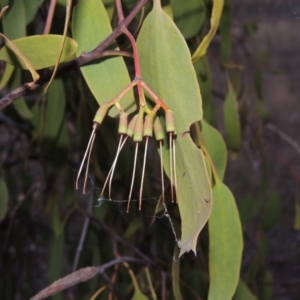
(40, 50)
(8, 71)
(225, 32)
(189, 16)
(243, 292)
(215, 146)
(105, 78)
(20, 105)
(203, 72)
(63, 42)
(31, 8)
(297, 216)
(176, 279)
(267, 289)
(14, 20)
(166, 67)
(3, 198)
(272, 210)
(232, 121)
(54, 114)
(214, 23)
(225, 244)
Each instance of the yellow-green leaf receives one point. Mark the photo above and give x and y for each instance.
(214, 23)
(232, 121)
(166, 67)
(105, 78)
(40, 50)
(176, 279)
(225, 245)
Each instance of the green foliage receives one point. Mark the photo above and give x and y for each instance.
(40, 50)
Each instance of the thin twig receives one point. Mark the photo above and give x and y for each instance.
(84, 58)
(50, 16)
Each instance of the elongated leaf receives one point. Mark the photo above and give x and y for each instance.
(176, 279)
(14, 20)
(216, 147)
(54, 114)
(189, 16)
(203, 72)
(232, 121)
(8, 71)
(20, 105)
(225, 245)
(3, 199)
(214, 23)
(243, 292)
(225, 32)
(166, 67)
(106, 79)
(31, 8)
(297, 216)
(40, 50)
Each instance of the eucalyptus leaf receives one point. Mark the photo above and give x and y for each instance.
(40, 50)
(225, 245)
(166, 67)
(105, 78)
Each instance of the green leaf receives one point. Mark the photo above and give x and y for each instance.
(8, 71)
(3, 198)
(243, 292)
(105, 78)
(297, 215)
(232, 121)
(225, 245)
(20, 105)
(31, 8)
(267, 290)
(272, 210)
(225, 32)
(166, 67)
(214, 23)
(55, 111)
(202, 69)
(176, 279)
(14, 20)
(56, 261)
(189, 16)
(215, 146)
(40, 50)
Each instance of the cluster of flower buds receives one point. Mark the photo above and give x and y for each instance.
(141, 126)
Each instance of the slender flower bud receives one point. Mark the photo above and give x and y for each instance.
(131, 126)
(158, 129)
(101, 113)
(123, 123)
(138, 129)
(148, 126)
(170, 122)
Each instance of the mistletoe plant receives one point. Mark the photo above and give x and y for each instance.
(169, 104)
